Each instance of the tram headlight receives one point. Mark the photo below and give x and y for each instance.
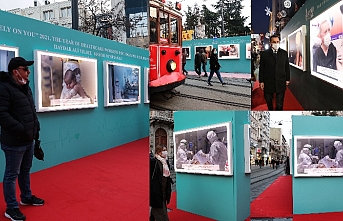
(171, 66)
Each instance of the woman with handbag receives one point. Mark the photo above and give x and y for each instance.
(160, 185)
(214, 67)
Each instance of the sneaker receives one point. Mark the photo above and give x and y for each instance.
(209, 83)
(33, 201)
(224, 83)
(205, 75)
(15, 214)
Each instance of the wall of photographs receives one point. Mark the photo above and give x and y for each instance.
(74, 81)
(316, 79)
(234, 53)
(317, 163)
(198, 164)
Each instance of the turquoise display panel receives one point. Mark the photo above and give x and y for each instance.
(71, 134)
(229, 65)
(218, 197)
(318, 194)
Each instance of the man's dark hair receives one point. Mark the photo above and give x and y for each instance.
(274, 36)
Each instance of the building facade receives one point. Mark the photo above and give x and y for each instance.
(161, 131)
(260, 129)
(58, 13)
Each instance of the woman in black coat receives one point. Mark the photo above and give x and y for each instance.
(214, 67)
(160, 185)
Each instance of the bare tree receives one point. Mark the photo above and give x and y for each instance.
(101, 19)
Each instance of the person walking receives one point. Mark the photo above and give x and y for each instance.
(160, 185)
(273, 162)
(277, 164)
(214, 67)
(184, 57)
(197, 63)
(204, 61)
(274, 73)
(287, 166)
(19, 135)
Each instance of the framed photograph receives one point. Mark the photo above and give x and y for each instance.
(248, 50)
(188, 52)
(247, 148)
(283, 44)
(65, 82)
(6, 54)
(204, 150)
(296, 48)
(121, 84)
(316, 156)
(229, 51)
(146, 86)
(327, 67)
(206, 48)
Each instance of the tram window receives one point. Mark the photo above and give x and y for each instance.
(164, 28)
(153, 22)
(174, 31)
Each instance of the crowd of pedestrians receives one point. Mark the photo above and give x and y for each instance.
(274, 163)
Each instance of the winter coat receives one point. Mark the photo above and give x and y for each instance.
(156, 194)
(18, 119)
(214, 63)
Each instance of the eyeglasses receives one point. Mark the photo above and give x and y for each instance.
(25, 68)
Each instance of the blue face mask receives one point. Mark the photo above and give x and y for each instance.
(215, 52)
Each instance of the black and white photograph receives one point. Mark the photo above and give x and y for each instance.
(205, 150)
(316, 156)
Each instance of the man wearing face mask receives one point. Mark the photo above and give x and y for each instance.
(19, 129)
(274, 73)
(326, 54)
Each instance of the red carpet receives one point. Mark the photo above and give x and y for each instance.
(275, 201)
(258, 103)
(111, 185)
(180, 215)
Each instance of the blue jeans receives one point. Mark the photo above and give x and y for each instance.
(218, 75)
(18, 165)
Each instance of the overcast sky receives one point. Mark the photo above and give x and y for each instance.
(286, 119)
(12, 4)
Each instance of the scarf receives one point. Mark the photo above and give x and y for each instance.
(166, 172)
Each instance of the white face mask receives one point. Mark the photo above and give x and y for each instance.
(276, 46)
(21, 81)
(164, 154)
(327, 39)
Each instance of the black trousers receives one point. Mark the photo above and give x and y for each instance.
(204, 68)
(198, 69)
(279, 100)
(183, 68)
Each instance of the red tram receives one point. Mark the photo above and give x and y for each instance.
(165, 46)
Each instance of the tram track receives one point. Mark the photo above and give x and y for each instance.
(248, 85)
(217, 90)
(195, 95)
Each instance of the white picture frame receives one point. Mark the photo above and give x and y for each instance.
(202, 155)
(52, 91)
(121, 84)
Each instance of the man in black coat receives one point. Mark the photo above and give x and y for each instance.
(19, 128)
(197, 63)
(274, 74)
